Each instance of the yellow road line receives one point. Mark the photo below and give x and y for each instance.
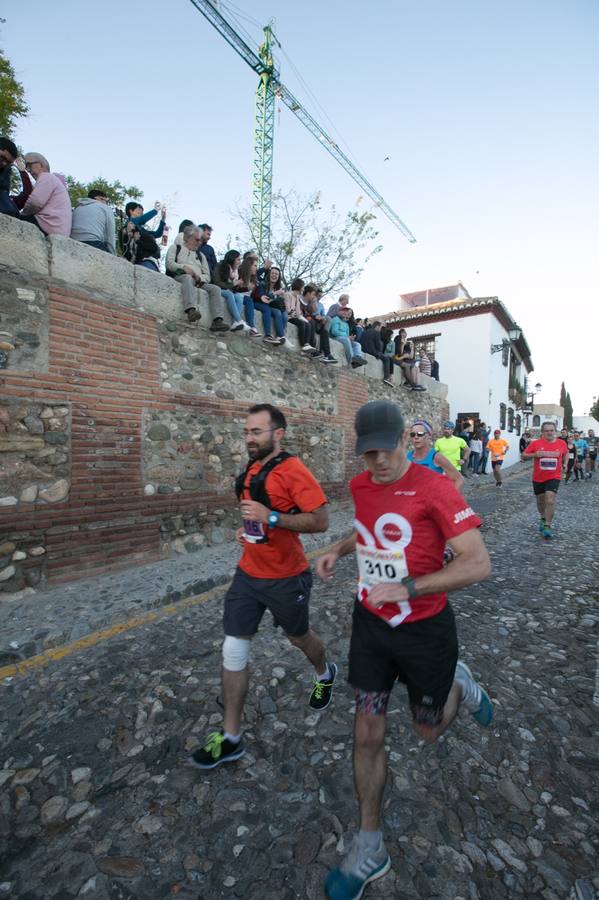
(96, 637)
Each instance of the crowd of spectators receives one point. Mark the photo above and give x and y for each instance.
(235, 283)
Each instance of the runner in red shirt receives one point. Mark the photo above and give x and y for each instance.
(403, 626)
(279, 499)
(550, 455)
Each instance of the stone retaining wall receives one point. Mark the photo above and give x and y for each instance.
(120, 424)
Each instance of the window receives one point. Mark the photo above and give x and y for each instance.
(518, 424)
(510, 419)
(536, 421)
(502, 416)
(426, 342)
(505, 354)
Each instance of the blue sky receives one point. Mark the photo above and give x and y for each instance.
(487, 112)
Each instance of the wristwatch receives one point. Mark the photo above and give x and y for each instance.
(410, 584)
(273, 518)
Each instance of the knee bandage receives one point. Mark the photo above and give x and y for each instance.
(236, 653)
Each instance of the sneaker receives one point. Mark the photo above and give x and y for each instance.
(328, 359)
(547, 532)
(388, 381)
(316, 355)
(474, 697)
(193, 315)
(323, 690)
(254, 332)
(236, 326)
(269, 339)
(499, 484)
(308, 348)
(217, 750)
(281, 340)
(359, 868)
(541, 526)
(219, 325)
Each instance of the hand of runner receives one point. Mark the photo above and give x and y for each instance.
(239, 535)
(257, 512)
(387, 593)
(325, 565)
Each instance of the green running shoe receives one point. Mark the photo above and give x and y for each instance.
(216, 750)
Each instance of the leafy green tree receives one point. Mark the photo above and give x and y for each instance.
(12, 98)
(327, 249)
(594, 410)
(116, 192)
(562, 395)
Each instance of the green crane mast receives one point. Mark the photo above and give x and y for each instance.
(270, 86)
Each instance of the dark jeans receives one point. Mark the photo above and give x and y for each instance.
(99, 245)
(325, 342)
(268, 314)
(483, 462)
(303, 331)
(474, 460)
(386, 361)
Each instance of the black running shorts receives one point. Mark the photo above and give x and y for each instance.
(288, 599)
(541, 487)
(497, 463)
(422, 655)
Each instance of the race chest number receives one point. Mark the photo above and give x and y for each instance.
(380, 566)
(548, 464)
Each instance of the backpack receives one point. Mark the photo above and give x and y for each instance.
(177, 251)
(257, 485)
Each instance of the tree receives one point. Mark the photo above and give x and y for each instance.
(12, 98)
(308, 243)
(568, 412)
(594, 410)
(116, 192)
(562, 395)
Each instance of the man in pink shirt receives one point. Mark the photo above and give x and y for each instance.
(49, 205)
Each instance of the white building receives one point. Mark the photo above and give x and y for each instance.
(483, 358)
(583, 423)
(546, 412)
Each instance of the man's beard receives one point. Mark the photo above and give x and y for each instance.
(261, 452)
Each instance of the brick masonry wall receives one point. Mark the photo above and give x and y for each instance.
(120, 425)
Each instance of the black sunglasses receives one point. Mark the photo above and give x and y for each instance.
(417, 433)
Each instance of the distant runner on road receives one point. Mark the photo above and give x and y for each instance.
(592, 445)
(550, 456)
(497, 447)
(279, 499)
(403, 627)
(453, 447)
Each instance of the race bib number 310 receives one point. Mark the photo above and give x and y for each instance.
(383, 567)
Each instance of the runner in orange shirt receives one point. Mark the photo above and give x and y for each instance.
(497, 447)
(279, 499)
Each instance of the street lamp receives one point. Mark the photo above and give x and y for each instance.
(514, 334)
(530, 400)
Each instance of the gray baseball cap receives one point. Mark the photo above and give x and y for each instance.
(379, 426)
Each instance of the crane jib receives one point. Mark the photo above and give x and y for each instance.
(262, 63)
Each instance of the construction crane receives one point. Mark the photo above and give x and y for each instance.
(269, 87)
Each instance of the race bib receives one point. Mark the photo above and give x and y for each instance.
(253, 532)
(548, 464)
(380, 566)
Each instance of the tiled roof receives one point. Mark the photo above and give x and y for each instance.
(455, 309)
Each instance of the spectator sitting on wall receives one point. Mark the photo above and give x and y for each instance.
(295, 313)
(191, 271)
(340, 330)
(342, 303)
(264, 270)
(206, 249)
(48, 205)
(226, 276)
(268, 298)
(372, 345)
(424, 363)
(147, 253)
(134, 226)
(405, 357)
(315, 313)
(184, 225)
(434, 367)
(9, 157)
(387, 340)
(246, 282)
(358, 329)
(93, 222)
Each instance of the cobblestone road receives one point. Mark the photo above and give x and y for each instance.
(97, 799)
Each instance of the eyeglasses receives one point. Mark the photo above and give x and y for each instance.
(255, 432)
(417, 433)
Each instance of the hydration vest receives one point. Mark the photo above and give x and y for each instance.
(257, 485)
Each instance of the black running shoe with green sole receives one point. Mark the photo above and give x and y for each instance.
(323, 690)
(216, 750)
